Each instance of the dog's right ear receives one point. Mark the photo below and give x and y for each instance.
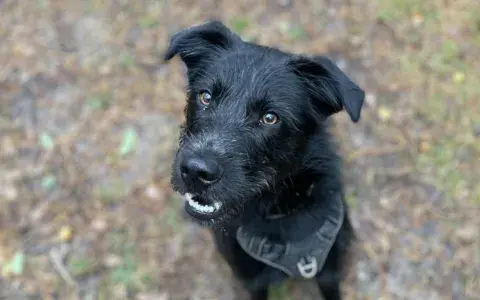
(201, 43)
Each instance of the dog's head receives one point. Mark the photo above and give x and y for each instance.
(251, 111)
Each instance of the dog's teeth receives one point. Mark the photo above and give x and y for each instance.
(200, 207)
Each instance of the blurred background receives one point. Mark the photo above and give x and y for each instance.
(89, 118)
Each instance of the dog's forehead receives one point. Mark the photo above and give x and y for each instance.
(259, 72)
(260, 63)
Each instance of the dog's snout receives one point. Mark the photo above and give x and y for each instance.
(200, 171)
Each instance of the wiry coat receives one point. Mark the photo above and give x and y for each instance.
(261, 168)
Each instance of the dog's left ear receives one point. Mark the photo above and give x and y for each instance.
(200, 43)
(330, 88)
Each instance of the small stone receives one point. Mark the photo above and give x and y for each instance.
(112, 260)
(9, 191)
(468, 233)
(384, 201)
(153, 192)
(99, 224)
(371, 99)
(357, 40)
(283, 26)
(105, 69)
(152, 296)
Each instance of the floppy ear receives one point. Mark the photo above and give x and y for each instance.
(200, 43)
(331, 90)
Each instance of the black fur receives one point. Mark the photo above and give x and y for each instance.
(256, 167)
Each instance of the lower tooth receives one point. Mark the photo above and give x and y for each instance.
(200, 207)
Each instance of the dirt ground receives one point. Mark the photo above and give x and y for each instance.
(89, 118)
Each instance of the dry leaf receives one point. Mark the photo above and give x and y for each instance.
(417, 19)
(23, 50)
(458, 77)
(65, 234)
(384, 113)
(424, 146)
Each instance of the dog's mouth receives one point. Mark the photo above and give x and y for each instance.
(201, 208)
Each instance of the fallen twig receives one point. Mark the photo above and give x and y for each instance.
(375, 151)
(56, 257)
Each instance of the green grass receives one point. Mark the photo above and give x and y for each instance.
(49, 182)
(99, 101)
(126, 60)
(239, 25)
(80, 264)
(172, 216)
(445, 90)
(148, 22)
(293, 31)
(399, 10)
(296, 32)
(441, 161)
(110, 192)
(46, 141)
(126, 273)
(129, 141)
(351, 198)
(131, 273)
(15, 266)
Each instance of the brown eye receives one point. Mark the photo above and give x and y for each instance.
(205, 98)
(269, 118)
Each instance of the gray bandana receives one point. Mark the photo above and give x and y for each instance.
(303, 258)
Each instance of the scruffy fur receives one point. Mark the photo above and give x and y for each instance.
(258, 166)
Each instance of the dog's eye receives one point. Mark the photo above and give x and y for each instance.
(269, 118)
(205, 98)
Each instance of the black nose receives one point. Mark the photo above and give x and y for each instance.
(200, 171)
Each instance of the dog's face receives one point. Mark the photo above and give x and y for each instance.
(251, 111)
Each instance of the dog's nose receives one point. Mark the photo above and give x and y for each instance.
(200, 171)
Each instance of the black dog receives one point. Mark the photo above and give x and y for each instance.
(256, 162)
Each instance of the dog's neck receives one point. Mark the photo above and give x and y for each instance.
(318, 167)
(294, 193)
